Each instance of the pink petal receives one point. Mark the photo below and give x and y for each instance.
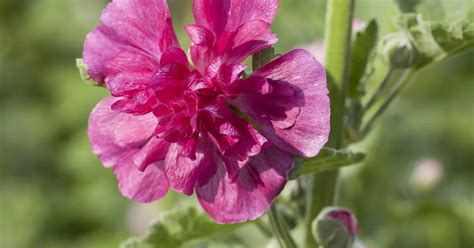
(153, 151)
(135, 129)
(104, 127)
(102, 124)
(249, 38)
(121, 65)
(295, 115)
(116, 136)
(230, 30)
(183, 172)
(251, 193)
(124, 49)
(234, 137)
(138, 102)
(227, 15)
(202, 41)
(174, 55)
(230, 48)
(147, 186)
(250, 85)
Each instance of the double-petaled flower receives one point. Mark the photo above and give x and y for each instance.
(198, 126)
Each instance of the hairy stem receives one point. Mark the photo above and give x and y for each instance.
(279, 227)
(323, 190)
(381, 88)
(402, 82)
(263, 227)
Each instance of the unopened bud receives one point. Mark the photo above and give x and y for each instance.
(398, 51)
(335, 228)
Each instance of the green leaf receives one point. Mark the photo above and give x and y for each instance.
(363, 48)
(84, 75)
(262, 57)
(407, 6)
(436, 40)
(452, 36)
(180, 228)
(330, 159)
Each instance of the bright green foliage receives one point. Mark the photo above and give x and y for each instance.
(362, 50)
(453, 37)
(180, 228)
(435, 40)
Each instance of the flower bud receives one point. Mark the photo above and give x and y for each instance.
(398, 51)
(335, 228)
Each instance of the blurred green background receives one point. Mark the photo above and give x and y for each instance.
(415, 189)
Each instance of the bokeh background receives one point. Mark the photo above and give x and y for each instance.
(416, 188)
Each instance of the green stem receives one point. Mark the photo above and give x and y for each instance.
(382, 86)
(403, 81)
(263, 227)
(279, 228)
(323, 191)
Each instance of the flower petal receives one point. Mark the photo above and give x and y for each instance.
(250, 194)
(114, 135)
(202, 41)
(135, 129)
(227, 15)
(234, 137)
(147, 186)
(121, 65)
(230, 30)
(295, 114)
(183, 172)
(230, 47)
(153, 151)
(125, 48)
(104, 125)
(249, 38)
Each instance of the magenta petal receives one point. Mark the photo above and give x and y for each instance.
(103, 123)
(183, 172)
(295, 115)
(250, 85)
(147, 186)
(251, 193)
(235, 138)
(202, 41)
(174, 55)
(145, 24)
(135, 129)
(153, 151)
(104, 126)
(109, 60)
(124, 49)
(248, 39)
(228, 15)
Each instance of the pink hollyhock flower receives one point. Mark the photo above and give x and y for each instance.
(172, 123)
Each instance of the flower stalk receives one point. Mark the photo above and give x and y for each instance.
(323, 190)
(280, 229)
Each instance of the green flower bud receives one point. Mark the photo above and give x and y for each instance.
(398, 51)
(335, 228)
